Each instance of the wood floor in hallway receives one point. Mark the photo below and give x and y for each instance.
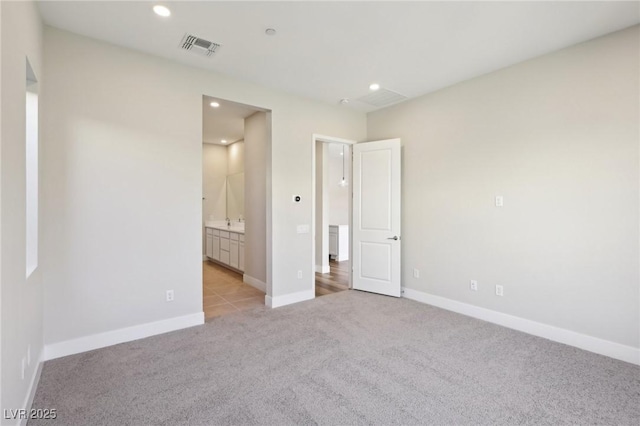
(224, 292)
(336, 280)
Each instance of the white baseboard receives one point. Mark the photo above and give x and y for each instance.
(33, 385)
(323, 269)
(108, 338)
(254, 282)
(288, 299)
(561, 335)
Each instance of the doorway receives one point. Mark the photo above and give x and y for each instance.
(236, 141)
(331, 207)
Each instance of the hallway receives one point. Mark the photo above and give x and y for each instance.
(335, 281)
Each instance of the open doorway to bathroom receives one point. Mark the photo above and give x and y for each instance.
(236, 140)
(332, 215)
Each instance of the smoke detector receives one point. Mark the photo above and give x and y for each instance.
(199, 45)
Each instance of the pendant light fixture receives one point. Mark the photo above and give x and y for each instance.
(343, 182)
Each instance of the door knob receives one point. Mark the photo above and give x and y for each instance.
(395, 238)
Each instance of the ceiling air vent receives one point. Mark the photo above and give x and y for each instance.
(382, 97)
(199, 45)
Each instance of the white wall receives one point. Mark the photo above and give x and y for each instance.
(322, 207)
(339, 195)
(1, 357)
(214, 181)
(235, 182)
(257, 142)
(557, 136)
(21, 306)
(124, 184)
(235, 156)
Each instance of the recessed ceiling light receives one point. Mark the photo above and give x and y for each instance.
(374, 86)
(223, 141)
(161, 10)
(214, 104)
(270, 31)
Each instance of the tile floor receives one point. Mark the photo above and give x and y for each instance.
(224, 292)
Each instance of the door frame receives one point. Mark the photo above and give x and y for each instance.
(315, 139)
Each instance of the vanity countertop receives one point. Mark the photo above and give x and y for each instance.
(224, 227)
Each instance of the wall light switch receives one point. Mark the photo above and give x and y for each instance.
(416, 273)
(499, 201)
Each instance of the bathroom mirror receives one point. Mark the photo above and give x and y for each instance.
(235, 196)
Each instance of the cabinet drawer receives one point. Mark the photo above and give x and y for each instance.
(224, 244)
(224, 234)
(242, 238)
(215, 232)
(233, 236)
(209, 231)
(224, 256)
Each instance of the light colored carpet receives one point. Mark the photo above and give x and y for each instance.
(346, 358)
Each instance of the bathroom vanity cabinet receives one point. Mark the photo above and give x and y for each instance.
(225, 245)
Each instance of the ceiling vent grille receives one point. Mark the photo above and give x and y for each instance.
(199, 45)
(382, 97)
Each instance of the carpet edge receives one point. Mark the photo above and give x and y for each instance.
(121, 335)
(582, 341)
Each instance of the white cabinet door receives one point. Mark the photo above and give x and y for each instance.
(215, 247)
(224, 243)
(233, 254)
(333, 244)
(224, 256)
(208, 249)
(241, 256)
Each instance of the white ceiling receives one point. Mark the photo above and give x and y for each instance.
(225, 122)
(333, 50)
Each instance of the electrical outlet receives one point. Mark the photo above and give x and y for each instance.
(24, 366)
(416, 273)
(473, 285)
(499, 290)
(499, 201)
(169, 295)
(299, 274)
(29, 355)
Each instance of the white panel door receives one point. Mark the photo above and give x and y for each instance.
(376, 217)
